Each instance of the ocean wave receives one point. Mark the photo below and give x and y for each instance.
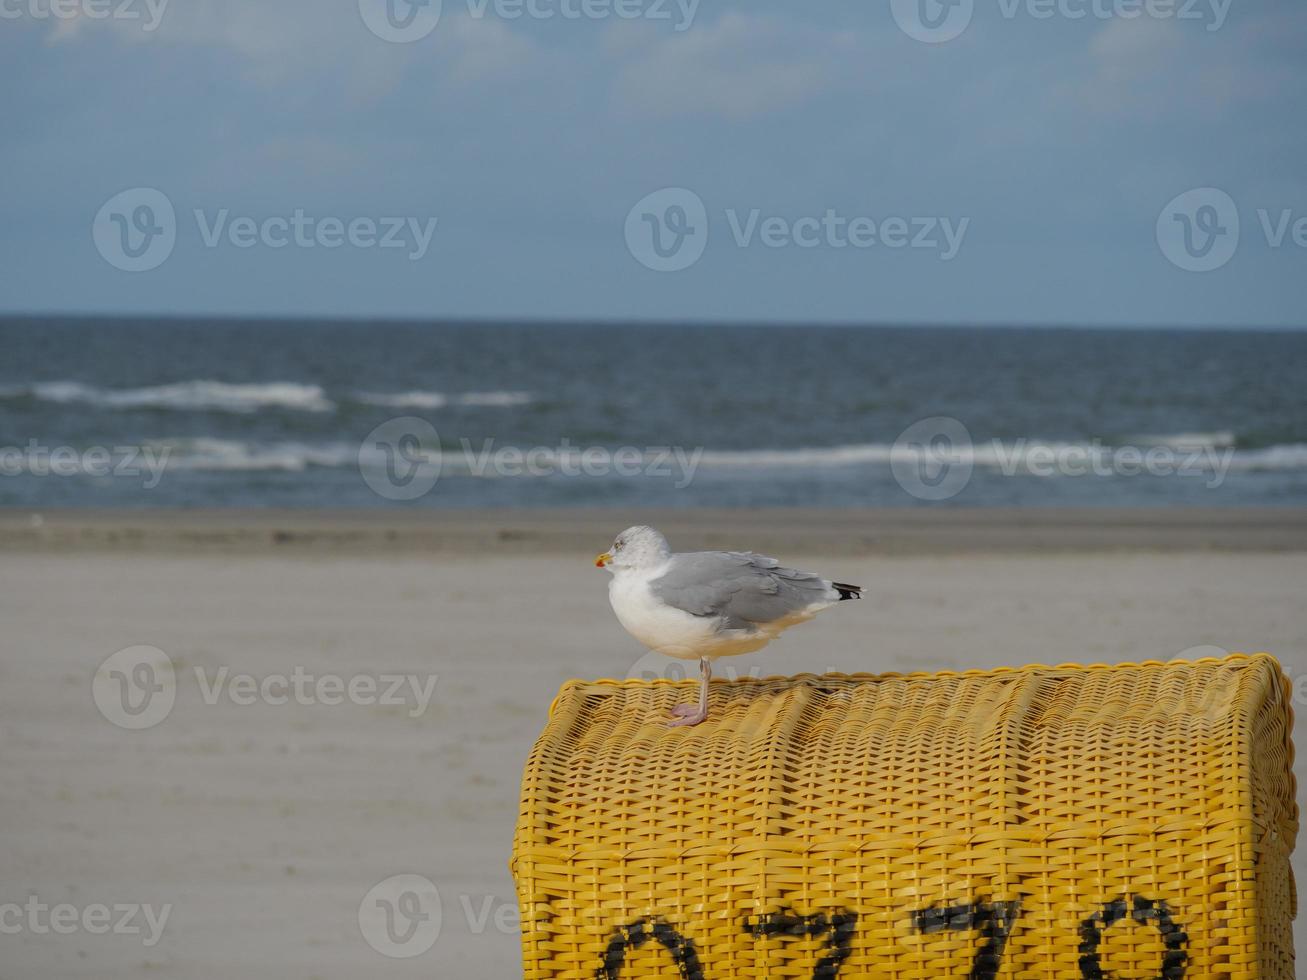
(1185, 440)
(231, 455)
(1290, 457)
(850, 455)
(205, 395)
(494, 399)
(1197, 452)
(181, 396)
(404, 399)
(436, 399)
(1043, 459)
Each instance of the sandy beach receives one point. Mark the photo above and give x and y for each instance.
(261, 826)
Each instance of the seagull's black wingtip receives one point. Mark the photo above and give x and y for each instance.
(847, 591)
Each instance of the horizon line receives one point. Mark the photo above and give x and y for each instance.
(310, 319)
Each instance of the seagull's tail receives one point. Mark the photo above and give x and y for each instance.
(847, 591)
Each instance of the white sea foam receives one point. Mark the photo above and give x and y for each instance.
(813, 456)
(436, 399)
(858, 454)
(404, 399)
(210, 454)
(230, 455)
(1185, 440)
(204, 395)
(186, 396)
(494, 399)
(1289, 457)
(1198, 451)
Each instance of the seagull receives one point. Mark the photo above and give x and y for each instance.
(707, 604)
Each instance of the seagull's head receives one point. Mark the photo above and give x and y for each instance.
(636, 547)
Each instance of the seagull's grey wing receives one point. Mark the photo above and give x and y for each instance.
(741, 587)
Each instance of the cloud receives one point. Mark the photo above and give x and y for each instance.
(484, 49)
(1148, 68)
(289, 41)
(742, 66)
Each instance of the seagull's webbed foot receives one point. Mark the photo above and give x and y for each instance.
(684, 715)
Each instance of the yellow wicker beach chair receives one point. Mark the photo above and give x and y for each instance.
(1041, 823)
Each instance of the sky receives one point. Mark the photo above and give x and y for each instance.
(1061, 162)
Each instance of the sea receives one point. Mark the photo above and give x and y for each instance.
(195, 413)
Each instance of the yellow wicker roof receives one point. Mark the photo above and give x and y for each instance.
(1063, 789)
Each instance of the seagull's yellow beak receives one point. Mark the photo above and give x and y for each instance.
(602, 560)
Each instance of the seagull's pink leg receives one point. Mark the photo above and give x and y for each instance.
(684, 715)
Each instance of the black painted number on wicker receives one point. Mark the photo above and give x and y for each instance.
(837, 927)
(993, 920)
(638, 933)
(1144, 911)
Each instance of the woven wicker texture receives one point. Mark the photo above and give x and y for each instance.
(1129, 821)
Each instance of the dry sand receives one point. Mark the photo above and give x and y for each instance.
(264, 825)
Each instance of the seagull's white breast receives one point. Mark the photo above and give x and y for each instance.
(658, 626)
(675, 632)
